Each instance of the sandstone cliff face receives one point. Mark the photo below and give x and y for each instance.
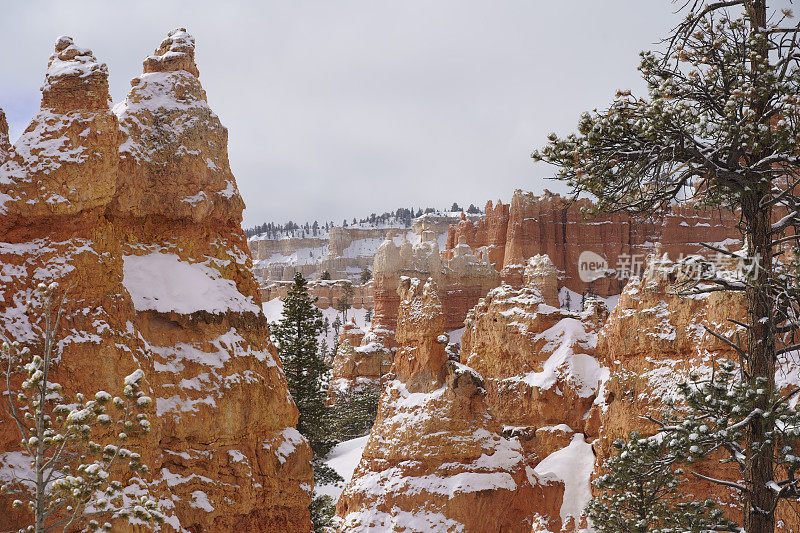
(539, 361)
(557, 227)
(326, 292)
(508, 235)
(651, 342)
(542, 376)
(137, 211)
(280, 259)
(461, 280)
(343, 252)
(568, 384)
(489, 230)
(435, 459)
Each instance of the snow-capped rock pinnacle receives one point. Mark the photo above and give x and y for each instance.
(540, 271)
(75, 79)
(140, 217)
(420, 361)
(175, 158)
(176, 52)
(65, 161)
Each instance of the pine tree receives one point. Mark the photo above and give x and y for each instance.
(306, 372)
(81, 462)
(368, 315)
(322, 508)
(356, 410)
(720, 126)
(366, 275)
(640, 493)
(345, 303)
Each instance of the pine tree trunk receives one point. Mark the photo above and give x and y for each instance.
(760, 501)
(759, 515)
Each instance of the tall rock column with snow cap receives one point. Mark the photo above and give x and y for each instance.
(385, 266)
(436, 459)
(55, 185)
(65, 162)
(419, 362)
(147, 237)
(232, 458)
(175, 160)
(540, 271)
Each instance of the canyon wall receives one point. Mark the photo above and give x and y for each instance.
(344, 252)
(461, 280)
(567, 384)
(560, 228)
(508, 235)
(555, 386)
(542, 374)
(327, 292)
(136, 212)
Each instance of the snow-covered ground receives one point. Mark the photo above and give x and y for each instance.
(344, 458)
(163, 282)
(301, 256)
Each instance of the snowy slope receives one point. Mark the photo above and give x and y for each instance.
(344, 458)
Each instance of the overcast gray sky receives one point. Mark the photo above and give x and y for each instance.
(340, 108)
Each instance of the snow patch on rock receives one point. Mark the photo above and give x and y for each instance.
(165, 283)
(574, 466)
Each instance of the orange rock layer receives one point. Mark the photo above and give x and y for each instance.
(436, 459)
(136, 210)
(557, 227)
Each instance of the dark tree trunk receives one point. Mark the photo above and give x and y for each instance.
(759, 512)
(760, 501)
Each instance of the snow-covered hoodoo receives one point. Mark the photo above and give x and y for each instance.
(137, 211)
(436, 459)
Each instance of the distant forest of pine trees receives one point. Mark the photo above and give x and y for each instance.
(402, 215)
